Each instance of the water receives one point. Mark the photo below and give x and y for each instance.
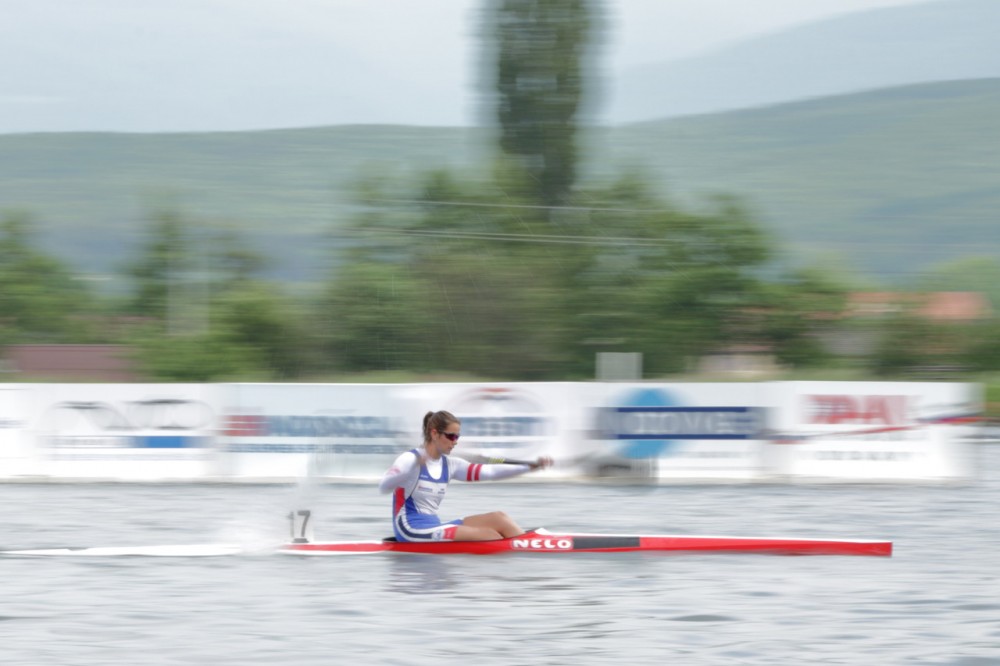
(937, 601)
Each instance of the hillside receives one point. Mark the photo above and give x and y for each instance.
(886, 181)
(945, 40)
(91, 193)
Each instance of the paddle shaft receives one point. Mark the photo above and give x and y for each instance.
(506, 461)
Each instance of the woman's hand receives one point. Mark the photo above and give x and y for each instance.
(543, 462)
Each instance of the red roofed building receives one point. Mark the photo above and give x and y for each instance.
(941, 306)
(92, 363)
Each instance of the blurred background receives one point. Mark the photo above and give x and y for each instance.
(500, 190)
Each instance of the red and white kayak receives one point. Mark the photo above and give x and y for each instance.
(542, 541)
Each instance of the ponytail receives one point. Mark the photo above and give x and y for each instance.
(437, 421)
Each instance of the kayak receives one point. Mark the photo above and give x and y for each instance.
(543, 541)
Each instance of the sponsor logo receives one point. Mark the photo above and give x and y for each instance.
(150, 414)
(542, 544)
(319, 425)
(333, 434)
(312, 447)
(501, 421)
(652, 422)
(866, 456)
(154, 423)
(857, 409)
(127, 442)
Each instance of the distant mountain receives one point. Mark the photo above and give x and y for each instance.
(886, 182)
(91, 193)
(936, 41)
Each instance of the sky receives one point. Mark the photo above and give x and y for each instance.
(68, 53)
(655, 30)
(643, 31)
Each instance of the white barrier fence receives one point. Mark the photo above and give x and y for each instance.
(769, 431)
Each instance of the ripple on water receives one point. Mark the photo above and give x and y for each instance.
(977, 607)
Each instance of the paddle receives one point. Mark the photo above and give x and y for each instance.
(500, 460)
(495, 460)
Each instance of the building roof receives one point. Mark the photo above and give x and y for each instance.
(100, 363)
(951, 306)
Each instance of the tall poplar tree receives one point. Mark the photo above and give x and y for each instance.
(541, 51)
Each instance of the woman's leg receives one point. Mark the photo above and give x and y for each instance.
(486, 526)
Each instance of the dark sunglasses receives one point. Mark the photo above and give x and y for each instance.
(453, 436)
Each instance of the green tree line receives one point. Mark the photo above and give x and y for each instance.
(423, 291)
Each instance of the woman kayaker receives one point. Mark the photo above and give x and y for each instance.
(418, 480)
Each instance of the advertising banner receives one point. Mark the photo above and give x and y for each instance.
(300, 431)
(17, 451)
(126, 432)
(878, 431)
(679, 431)
(796, 431)
(355, 431)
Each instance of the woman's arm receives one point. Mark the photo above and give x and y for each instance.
(463, 470)
(402, 474)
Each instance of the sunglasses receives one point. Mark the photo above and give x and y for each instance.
(453, 436)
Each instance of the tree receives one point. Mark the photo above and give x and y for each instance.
(528, 276)
(977, 273)
(464, 283)
(460, 282)
(254, 334)
(797, 308)
(40, 301)
(221, 319)
(158, 272)
(907, 342)
(669, 283)
(981, 352)
(377, 315)
(541, 54)
(202, 357)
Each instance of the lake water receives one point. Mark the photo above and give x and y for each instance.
(936, 601)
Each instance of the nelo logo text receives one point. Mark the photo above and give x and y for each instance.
(542, 544)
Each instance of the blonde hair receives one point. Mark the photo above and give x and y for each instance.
(437, 421)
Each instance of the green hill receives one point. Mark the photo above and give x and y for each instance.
(946, 40)
(890, 180)
(887, 181)
(91, 193)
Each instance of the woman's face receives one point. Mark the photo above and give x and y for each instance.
(447, 438)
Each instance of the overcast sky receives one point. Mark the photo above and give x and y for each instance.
(642, 31)
(160, 52)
